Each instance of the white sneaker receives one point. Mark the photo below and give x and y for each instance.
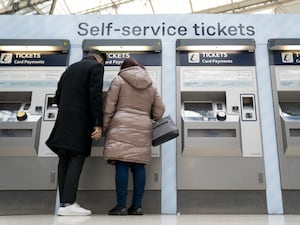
(73, 210)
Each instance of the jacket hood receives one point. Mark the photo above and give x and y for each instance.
(136, 76)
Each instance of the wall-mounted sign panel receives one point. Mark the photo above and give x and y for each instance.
(216, 58)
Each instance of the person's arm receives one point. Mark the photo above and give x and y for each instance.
(111, 101)
(95, 93)
(58, 90)
(158, 107)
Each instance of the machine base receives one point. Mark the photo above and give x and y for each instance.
(222, 202)
(291, 199)
(33, 202)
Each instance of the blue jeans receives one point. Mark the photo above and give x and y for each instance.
(121, 179)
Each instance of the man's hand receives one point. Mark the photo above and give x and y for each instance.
(97, 133)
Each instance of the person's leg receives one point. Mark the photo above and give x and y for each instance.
(63, 163)
(69, 190)
(139, 180)
(72, 176)
(121, 181)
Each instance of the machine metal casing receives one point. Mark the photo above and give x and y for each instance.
(284, 59)
(217, 154)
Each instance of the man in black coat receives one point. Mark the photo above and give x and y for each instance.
(79, 121)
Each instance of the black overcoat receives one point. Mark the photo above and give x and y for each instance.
(79, 100)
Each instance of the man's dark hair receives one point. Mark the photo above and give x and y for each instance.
(96, 52)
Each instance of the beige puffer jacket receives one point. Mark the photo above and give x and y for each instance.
(131, 104)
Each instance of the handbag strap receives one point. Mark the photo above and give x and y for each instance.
(161, 122)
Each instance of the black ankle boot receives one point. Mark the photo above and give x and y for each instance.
(135, 210)
(118, 210)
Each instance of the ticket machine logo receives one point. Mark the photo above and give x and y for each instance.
(194, 57)
(287, 57)
(6, 58)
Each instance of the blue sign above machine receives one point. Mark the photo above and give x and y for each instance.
(33, 59)
(144, 58)
(285, 58)
(215, 58)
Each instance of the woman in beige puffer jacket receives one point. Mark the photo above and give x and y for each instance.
(131, 105)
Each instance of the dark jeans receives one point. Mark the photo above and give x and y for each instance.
(121, 179)
(69, 169)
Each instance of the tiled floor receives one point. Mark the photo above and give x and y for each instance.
(153, 220)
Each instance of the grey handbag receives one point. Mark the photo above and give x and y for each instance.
(163, 130)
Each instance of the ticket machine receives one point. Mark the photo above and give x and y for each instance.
(219, 151)
(284, 58)
(29, 71)
(98, 177)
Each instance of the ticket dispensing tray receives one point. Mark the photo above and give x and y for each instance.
(290, 122)
(208, 131)
(19, 130)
